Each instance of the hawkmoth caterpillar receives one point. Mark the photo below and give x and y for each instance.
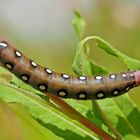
(64, 85)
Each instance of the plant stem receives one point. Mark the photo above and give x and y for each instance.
(118, 135)
(77, 116)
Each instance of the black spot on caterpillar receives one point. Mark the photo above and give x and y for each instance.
(64, 85)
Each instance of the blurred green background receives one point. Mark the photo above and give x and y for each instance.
(43, 30)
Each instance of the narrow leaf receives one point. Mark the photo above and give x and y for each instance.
(79, 24)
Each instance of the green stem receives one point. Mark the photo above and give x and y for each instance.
(118, 135)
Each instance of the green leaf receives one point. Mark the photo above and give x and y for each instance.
(131, 63)
(123, 115)
(79, 24)
(17, 124)
(45, 113)
(121, 111)
(83, 64)
(80, 61)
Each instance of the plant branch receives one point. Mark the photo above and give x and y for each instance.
(77, 116)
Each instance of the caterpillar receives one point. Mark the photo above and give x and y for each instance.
(64, 85)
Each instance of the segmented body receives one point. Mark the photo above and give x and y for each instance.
(64, 85)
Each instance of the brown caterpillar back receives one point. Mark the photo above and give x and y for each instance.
(64, 85)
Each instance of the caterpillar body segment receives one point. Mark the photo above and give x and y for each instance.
(64, 85)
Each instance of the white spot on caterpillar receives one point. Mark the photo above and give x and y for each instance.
(131, 74)
(18, 54)
(82, 78)
(127, 89)
(3, 45)
(82, 95)
(24, 77)
(100, 95)
(62, 93)
(112, 76)
(65, 76)
(33, 64)
(98, 77)
(49, 71)
(115, 92)
(42, 87)
(124, 75)
(9, 66)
